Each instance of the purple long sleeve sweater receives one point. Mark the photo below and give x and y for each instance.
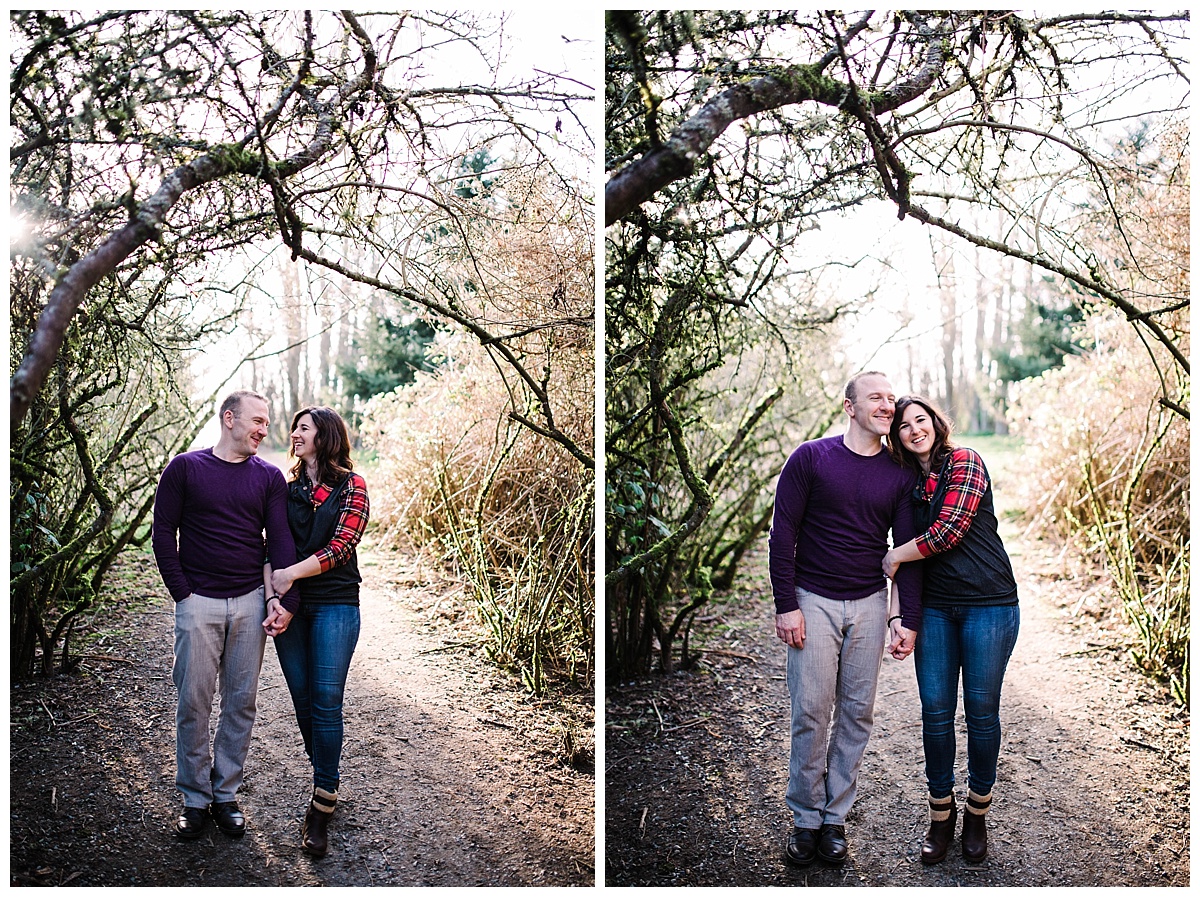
(833, 511)
(209, 518)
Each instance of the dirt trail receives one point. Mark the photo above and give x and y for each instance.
(450, 775)
(1093, 785)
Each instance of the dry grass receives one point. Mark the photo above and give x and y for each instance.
(1108, 467)
(505, 508)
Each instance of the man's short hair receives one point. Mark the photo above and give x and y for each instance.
(233, 401)
(852, 383)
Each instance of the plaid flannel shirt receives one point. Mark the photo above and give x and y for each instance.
(967, 483)
(352, 522)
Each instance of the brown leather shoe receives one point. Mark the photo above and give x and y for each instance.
(974, 837)
(941, 833)
(314, 837)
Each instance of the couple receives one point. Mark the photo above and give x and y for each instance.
(836, 500)
(232, 590)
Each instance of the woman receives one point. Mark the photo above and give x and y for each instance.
(327, 514)
(969, 619)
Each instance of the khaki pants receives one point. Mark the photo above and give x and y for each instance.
(832, 681)
(216, 638)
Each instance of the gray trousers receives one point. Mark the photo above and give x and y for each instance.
(832, 681)
(216, 638)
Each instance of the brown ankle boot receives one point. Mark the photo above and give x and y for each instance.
(974, 830)
(314, 837)
(942, 815)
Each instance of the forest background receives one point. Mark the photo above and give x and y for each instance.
(389, 213)
(991, 207)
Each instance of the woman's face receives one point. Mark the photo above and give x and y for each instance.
(304, 438)
(916, 432)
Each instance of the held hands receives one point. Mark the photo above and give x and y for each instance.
(790, 628)
(278, 617)
(902, 640)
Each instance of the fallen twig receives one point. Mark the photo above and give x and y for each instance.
(111, 657)
(723, 653)
(71, 722)
(642, 824)
(694, 722)
(1090, 650)
(494, 722)
(450, 647)
(1135, 742)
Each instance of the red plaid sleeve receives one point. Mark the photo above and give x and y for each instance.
(965, 489)
(352, 523)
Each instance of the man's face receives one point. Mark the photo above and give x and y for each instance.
(874, 405)
(249, 424)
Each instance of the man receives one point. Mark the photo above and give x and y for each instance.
(835, 502)
(210, 512)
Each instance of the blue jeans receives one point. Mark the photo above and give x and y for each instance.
(314, 654)
(978, 642)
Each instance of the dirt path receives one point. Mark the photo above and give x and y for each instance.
(1093, 785)
(450, 775)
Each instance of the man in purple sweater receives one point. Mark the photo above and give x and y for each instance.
(210, 512)
(836, 500)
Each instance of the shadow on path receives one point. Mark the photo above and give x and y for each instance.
(1093, 785)
(450, 776)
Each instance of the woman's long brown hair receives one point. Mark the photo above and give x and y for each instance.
(332, 445)
(942, 428)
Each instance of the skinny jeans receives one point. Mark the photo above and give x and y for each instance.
(314, 654)
(975, 642)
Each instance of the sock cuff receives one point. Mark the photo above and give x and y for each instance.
(323, 800)
(940, 808)
(978, 803)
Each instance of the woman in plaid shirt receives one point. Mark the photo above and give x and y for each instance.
(327, 514)
(969, 618)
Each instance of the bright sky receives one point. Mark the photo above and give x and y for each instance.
(560, 40)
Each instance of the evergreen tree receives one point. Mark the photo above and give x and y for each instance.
(1045, 336)
(390, 351)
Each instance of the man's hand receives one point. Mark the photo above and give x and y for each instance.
(890, 565)
(277, 619)
(903, 641)
(790, 628)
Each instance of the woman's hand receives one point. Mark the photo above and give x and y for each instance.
(282, 580)
(890, 565)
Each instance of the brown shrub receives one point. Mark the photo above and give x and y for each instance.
(506, 508)
(1108, 469)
